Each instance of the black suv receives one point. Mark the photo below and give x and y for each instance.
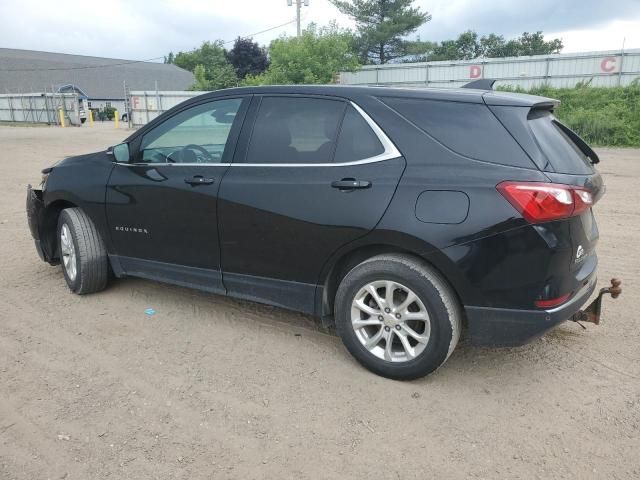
(400, 215)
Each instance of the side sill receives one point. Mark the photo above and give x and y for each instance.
(285, 294)
(291, 295)
(190, 277)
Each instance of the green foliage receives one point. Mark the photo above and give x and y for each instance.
(468, 46)
(247, 57)
(316, 57)
(534, 44)
(602, 116)
(109, 112)
(210, 66)
(381, 26)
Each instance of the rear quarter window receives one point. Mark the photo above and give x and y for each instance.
(357, 141)
(469, 129)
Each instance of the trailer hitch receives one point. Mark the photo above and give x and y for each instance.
(591, 314)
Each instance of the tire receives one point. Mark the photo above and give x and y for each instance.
(428, 339)
(82, 253)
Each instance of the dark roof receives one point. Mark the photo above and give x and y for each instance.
(445, 94)
(24, 71)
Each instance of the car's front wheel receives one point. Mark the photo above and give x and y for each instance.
(397, 316)
(82, 252)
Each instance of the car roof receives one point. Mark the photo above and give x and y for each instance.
(466, 95)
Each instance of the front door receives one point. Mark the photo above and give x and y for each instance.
(313, 175)
(161, 206)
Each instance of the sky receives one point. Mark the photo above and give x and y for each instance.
(146, 29)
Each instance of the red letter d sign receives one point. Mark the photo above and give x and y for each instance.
(475, 71)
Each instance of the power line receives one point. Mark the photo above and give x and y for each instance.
(129, 62)
(263, 31)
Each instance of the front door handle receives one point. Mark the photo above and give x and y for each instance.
(347, 184)
(199, 180)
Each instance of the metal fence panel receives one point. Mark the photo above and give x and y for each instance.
(606, 69)
(145, 105)
(39, 107)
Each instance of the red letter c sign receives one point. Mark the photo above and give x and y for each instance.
(608, 64)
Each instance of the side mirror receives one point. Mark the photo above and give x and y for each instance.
(120, 153)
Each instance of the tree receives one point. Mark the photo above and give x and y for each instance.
(467, 46)
(534, 44)
(381, 26)
(492, 45)
(169, 58)
(247, 58)
(315, 57)
(209, 65)
(418, 51)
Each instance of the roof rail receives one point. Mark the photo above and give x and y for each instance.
(481, 84)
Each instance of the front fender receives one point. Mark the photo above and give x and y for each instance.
(80, 182)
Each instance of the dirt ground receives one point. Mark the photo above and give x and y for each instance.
(209, 387)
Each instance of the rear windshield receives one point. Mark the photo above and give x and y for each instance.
(563, 155)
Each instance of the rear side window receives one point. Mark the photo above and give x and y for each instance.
(469, 129)
(562, 153)
(357, 141)
(295, 130)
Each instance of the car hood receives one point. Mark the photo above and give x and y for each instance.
(80, 159)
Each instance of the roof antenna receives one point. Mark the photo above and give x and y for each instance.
(481, 84)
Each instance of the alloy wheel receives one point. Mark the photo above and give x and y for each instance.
(68, 251)
(390, 321)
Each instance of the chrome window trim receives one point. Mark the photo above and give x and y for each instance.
(390, 152)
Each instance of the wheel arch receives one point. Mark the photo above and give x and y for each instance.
(342, 263)
(49, 228)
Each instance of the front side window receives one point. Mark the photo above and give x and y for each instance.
(196, 135)
(295, 130)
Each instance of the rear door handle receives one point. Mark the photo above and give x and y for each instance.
(350, 184)
(199, 180)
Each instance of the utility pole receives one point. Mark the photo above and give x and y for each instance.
(298, 7)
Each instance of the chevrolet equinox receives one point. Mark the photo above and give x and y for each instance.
(400, 215)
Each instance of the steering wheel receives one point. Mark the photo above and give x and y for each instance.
(199, 149)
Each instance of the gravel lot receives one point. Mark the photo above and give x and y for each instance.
(209, 387)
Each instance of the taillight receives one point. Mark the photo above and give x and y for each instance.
(543, 202)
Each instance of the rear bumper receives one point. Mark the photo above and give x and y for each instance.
(510, 327)
(35, 211)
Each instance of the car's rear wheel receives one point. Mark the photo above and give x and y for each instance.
(82, 252)
(397, 316)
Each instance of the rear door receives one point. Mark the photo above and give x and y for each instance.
(313, 174)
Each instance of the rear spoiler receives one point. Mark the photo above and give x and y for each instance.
(482, 84)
